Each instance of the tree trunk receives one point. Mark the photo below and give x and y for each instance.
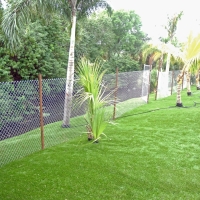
(197, 80)
(159, 69)
(179, 86)
(167, 72)
(187, 73)
(168, 62)
(70, 76)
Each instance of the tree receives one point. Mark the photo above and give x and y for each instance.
(128, 35)
(21, 12)
(116, 39)
(151, 53)
(4, 72)
(189, 55)
(41, 50)
(157, 51)
(171, 29)
(98, 37)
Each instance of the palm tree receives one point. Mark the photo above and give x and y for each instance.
(157, 51)
(193, 68)
(150, 54)
(20, 12)
(190, 54)
(171, 29)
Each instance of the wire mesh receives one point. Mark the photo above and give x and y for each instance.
(166, 90)
(19, 115)
(20, 133)
(131, 91)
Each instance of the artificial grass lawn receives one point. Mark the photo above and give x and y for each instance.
(150, 153)
(20, 146)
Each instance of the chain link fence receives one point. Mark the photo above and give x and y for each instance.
(20, 133)
(165, 90)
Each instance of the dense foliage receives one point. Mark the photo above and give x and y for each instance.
(42, 50)
(117, 39)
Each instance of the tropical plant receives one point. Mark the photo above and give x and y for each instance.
(151, 53)
(171, 29)
(20, 12)
(190, 55)
(156, 53)
(93, 93)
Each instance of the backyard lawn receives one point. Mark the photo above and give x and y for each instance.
(152, 152)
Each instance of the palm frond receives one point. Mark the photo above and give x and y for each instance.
(83, 8)
(20, 13)
(191, 51)
(195, 66)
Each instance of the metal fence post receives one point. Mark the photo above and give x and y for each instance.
(41, 112)
(115, 94)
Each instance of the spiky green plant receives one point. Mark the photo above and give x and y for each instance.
(93, 92)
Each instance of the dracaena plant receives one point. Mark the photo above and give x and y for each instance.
(92, 92)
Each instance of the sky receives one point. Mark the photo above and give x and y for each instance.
(154, 15)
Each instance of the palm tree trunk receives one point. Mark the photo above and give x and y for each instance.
(70, 76)
(168, 62)
(197, 80)
(187, 73)
(179, 87)
(167, 74)
(159, 69)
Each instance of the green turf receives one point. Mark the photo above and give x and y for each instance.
(20, 146)
(153, 152)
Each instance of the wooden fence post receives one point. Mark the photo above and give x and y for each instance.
(115, 94)
(41, 112)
